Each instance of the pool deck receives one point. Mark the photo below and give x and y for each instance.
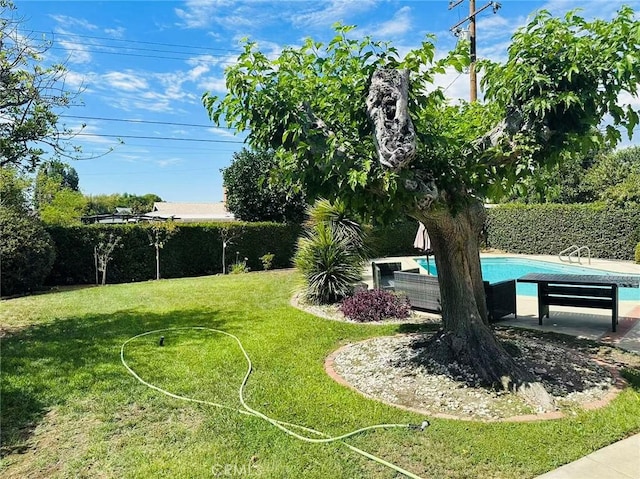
(586, 323)
(620, 460)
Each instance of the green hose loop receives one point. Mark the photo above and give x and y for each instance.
(282, 425)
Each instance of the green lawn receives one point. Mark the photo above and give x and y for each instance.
(70, 409)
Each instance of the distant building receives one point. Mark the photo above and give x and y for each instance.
(190, 212)
(122, 215)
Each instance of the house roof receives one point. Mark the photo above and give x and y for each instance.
(191, 211)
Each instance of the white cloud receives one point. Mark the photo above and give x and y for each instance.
(329, 12)
(197, 72)
(199, 13)
(76, 80)
(456, 85)
(496, 52)
(77, 52)
(398, 25)
(222, 132)
(90, 134)
(235, 21)
(213, 84)
(492, 27)
(117, 32)
(127, 80)
(169, 162)
(202, 64)
(66, 21)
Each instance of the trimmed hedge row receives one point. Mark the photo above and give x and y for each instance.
(392, 240)
(610, 233)
(195, 250)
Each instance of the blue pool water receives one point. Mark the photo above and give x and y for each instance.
(500, 269)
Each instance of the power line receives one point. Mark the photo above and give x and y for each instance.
(104, 135)
(140, 55)
(142, 121)
(155, 171)
(181, 148)
(53, 34)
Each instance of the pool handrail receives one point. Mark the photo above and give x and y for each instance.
(573, 250)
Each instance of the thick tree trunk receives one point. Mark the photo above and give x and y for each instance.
(466, 336)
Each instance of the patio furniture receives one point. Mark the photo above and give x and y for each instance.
(383, 274)
(423, 292)
(501, 299)
(580, 291)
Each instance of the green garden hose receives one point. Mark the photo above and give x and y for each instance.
(283, 426)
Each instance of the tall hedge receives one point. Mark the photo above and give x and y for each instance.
(196, 249)
(609, 232)
(395, 239)
(26, 252)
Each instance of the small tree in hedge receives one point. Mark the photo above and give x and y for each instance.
(228, 234)
(159, 233)
(27, 252)
(103, 252)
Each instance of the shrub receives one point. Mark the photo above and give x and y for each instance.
(328, 264)
(267, 261)
(330, 253)
(27, 253)
(239, 267)
(637, 255)
(375, 305)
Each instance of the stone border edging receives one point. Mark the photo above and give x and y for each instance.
(618, 385)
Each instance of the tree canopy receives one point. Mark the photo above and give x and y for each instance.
(107, 204)
(251, 196)
(562, 77)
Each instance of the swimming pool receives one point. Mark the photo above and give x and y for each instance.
(500, 269)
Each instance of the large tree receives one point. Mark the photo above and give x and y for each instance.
(351, 120)
(252, 196)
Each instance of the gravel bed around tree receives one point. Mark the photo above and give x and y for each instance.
(394, 369)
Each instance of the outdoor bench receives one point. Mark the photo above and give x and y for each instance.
(423, 292)
(580, 291)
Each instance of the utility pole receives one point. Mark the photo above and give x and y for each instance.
(473, 80)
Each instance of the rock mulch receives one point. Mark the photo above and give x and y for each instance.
(394, 370)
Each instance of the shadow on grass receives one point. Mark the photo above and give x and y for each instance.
(49, 365)
(427, 328)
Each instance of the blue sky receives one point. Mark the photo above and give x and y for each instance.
(143, 66)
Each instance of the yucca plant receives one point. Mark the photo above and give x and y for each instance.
(330, 253)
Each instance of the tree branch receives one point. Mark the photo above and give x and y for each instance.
(395, 137)
(387, 107)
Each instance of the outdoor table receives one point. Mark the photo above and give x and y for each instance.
(579, 290)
